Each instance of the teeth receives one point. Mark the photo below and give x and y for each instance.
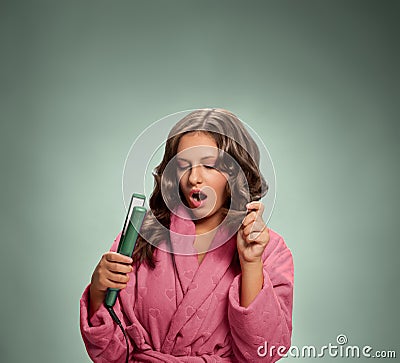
(199, 196)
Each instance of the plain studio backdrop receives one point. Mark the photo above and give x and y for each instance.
(317, 80)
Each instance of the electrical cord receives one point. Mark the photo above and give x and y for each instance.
(115, 318)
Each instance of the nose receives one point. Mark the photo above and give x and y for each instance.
(195, 175)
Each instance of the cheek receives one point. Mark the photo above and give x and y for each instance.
(221, 186)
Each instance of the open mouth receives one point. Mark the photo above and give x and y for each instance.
(197, 197)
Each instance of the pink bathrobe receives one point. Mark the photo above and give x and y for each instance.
(193, 314)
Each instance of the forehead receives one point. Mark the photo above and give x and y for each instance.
(197, 145)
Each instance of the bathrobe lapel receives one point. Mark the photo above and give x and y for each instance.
(197, 282)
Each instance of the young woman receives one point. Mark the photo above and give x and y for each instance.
(208, 281)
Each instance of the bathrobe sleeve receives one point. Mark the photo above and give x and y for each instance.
(103, 338)
(267, 321)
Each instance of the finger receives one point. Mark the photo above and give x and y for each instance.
(252, 216)
(256, 206)
(257, 227)
(117, 278)
(254, 236)
(105, 281)
(117, 257)
(116, 285)
(258, 237)
(118, 267)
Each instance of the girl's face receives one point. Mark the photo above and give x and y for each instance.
(203, 186)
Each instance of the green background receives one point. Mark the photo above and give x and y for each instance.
(317, 80)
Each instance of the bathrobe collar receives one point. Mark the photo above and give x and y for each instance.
(196, 282)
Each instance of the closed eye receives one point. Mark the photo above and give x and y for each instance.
(187, 167)
(182, 168)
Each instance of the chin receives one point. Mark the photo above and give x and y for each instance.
(199, 214)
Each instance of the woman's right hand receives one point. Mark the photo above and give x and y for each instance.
(111, 272)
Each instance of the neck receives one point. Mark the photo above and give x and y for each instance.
(207, 224)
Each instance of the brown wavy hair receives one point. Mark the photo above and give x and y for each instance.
(247, 185)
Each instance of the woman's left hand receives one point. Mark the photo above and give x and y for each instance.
(253, 235)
